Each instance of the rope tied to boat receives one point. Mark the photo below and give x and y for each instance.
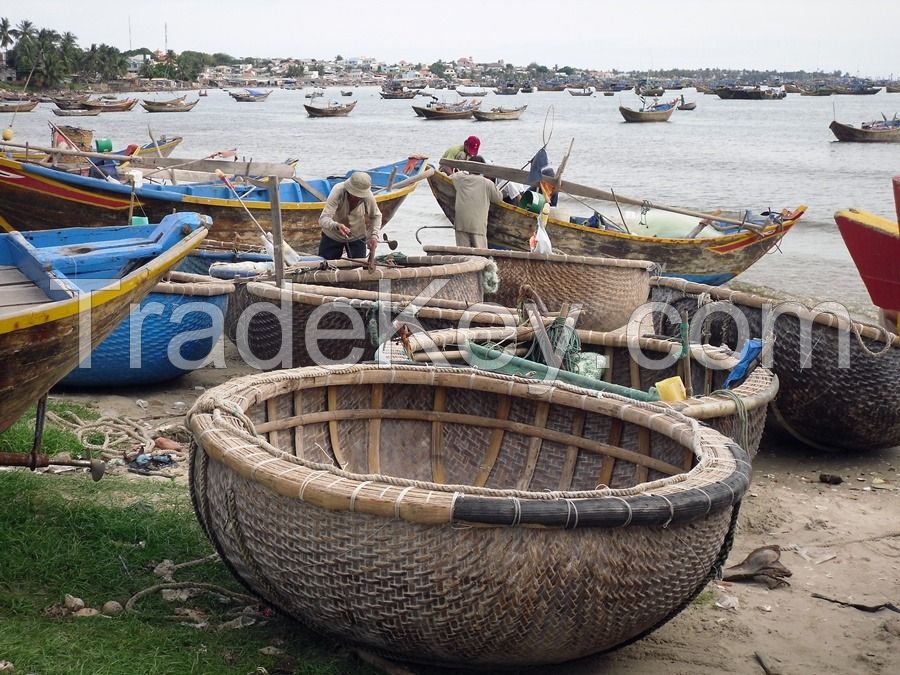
(741, 431)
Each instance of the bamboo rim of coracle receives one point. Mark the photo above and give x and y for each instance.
(220, 425)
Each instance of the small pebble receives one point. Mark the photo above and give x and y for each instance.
(111, 608)
(73, 604)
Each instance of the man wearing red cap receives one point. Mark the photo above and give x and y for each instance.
(466, 151)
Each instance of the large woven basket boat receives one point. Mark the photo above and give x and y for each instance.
(608, 289)
(639, 363)
(838, 378)
(439, 277)
(172, 331)
(449, 516)
(304, 325)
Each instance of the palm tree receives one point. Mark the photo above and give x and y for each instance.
(25, 31)
(7, 39)
(68, 45)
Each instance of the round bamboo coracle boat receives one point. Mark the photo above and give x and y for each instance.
(304, 325)
(837, 377)
(638, 363)
(608, 289)
(438, 277)
(451, 516)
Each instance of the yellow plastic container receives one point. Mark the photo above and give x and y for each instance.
(671, 389)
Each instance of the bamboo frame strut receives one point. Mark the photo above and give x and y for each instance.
(333, 415)
(493, 449)
(373, 454)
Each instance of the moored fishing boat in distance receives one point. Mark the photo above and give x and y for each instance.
(711, 248)
(583, 91)
(77, 112)
(110, 106)
(250, 95)
(447, 111)
(879, 131)
(53, 281)
(499, 113)
(756, 93)
(179, 106)
(32, 196)
(18, 107)
(653, 112)
(874, 245)
(332, 109)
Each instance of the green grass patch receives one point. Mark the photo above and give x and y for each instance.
(706, 598)
(56, 440)
(100, 541)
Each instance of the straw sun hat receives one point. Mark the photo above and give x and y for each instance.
(359, 184)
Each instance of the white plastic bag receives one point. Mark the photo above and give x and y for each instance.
(540, 242)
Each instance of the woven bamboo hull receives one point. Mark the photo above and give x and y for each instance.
(607, 289)
(38, 356)
(847, 132)
(712, 261)
(425, 586)
(743, 422)
(32, 202)
(448, 278)
(311, 311)
(825, 405)
(189, 306)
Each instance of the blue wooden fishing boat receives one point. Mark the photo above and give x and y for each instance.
(33, 196)
(63, 291)
(172, 332)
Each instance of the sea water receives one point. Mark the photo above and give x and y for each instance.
(725, 154)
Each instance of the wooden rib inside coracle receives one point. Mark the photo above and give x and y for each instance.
(740, 413)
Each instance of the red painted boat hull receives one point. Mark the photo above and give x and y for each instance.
(874, 245)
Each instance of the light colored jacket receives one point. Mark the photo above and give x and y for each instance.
(364, 221)
(474, 195)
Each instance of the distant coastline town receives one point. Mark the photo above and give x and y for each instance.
(43, 59)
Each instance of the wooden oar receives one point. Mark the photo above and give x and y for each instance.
(519, 176)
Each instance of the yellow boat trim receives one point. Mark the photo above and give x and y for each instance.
(871, 220)
(61, 309)
(717, 241)
(4, 224)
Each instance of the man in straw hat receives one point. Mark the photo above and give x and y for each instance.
(350, 219)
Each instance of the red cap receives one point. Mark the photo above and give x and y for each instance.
(472, 144)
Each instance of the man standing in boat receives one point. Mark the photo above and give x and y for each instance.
(466, 151)
(474, 195)
(350, 220)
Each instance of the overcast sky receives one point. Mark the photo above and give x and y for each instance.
(856, 36)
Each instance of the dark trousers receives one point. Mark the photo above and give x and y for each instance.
(332, 250)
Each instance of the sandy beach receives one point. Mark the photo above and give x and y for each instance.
(841, 541)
